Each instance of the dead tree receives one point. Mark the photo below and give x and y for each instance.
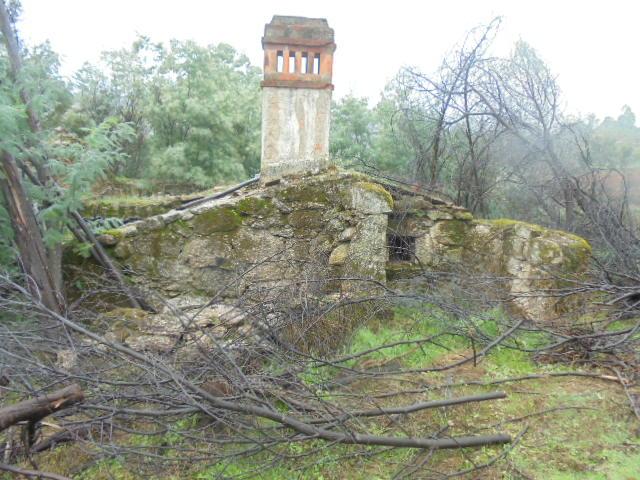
(491, 123)
(447, 126)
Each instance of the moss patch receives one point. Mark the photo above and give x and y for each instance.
(505, 223)
(304, 193)
(306, 221)
(255, 206)
(576, 250)
(222, 219)
(116, 233)
(402, 270)
(577, 255)
(462, 215)
(453, 232)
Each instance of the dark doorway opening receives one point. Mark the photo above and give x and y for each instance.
(401, 248)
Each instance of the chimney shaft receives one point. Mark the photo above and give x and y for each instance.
(296, 96)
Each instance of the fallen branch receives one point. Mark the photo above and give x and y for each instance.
(419, 406)
(84, 233)
(632, 402)
(64, 436)
(38, 408)
(31, 473)
(493, 460)
(305, 428)
(535, 376)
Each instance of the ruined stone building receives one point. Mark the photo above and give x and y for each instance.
(310, 229)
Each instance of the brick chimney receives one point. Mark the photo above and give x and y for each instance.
(296, 96)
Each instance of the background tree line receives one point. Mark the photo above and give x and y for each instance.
(177, 117)
(194, 110)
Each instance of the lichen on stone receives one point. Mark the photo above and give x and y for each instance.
(301, 193)
(376, 189)
(339, 254)
(306, 221)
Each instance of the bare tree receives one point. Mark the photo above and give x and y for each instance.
(446, 121)
(489, 121)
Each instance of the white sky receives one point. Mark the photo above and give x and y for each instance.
(593, 46)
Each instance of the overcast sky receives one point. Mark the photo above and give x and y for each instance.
(593, 46)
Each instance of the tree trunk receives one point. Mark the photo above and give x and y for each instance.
(569, 205)
(41, 281)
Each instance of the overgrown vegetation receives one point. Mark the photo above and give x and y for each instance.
(553, 409)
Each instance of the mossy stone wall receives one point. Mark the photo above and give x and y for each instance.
(301, 234)
(262, 239)
(531, 260)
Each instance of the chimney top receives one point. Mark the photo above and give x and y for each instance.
(298, 31)
(298, 53)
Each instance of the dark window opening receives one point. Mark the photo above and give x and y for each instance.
(316, 64)
(292, 62)
(305, 63)
(401, 248)
(280, 62)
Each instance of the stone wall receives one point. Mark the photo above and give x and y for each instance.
(329, 225)
(529, 262)
(328, 235)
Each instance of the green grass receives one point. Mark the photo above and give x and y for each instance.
(408, 324)
(565, 443)
(115, 468)
(587, 434)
